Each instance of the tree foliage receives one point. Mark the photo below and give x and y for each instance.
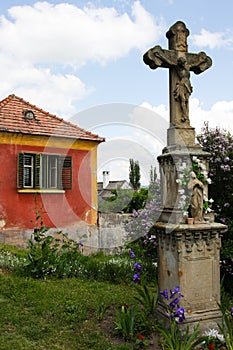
(117, 202)
(134, 174)
(219, 143)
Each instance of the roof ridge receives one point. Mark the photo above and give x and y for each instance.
(56, 122)
(6, 100)
(12, 96)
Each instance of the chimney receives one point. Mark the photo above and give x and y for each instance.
(105, 178)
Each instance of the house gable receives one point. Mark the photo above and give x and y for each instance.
(39, 144)
(14, 118)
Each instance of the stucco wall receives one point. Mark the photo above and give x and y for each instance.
(18, 210)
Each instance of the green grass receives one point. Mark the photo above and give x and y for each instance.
(59, 314)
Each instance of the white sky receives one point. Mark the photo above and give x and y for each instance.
(82, 60)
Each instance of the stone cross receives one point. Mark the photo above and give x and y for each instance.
(188, 255)
(180, 62)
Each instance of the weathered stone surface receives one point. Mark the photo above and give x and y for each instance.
(189, 257)
(181, 136)
(180, 63)
(188, 254)
(172, 158)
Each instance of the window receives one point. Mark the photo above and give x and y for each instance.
(49, 171)
(28, 171)
(44, 171)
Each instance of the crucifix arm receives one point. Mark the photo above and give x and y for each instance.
(158, 57)
(198, 63)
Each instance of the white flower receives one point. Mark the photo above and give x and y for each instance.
(181, 191)
(178, 181)
(209, 181)
(211, 200)
(182, 168)
(213, 333)
(202, 166)
(195, 159)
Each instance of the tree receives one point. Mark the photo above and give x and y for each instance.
(116, 203)
(153, 175)
(134, 174)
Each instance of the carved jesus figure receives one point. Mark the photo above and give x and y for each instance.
(183, 87)
(180, 64)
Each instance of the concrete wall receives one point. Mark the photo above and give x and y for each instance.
(111, 230)
(107, 235)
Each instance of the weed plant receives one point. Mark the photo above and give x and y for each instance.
(125, 323)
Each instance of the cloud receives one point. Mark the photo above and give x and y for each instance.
(212, 40)
(68, 35)
(131, 131)
(42, 47)
(140, 132)
(220, 115)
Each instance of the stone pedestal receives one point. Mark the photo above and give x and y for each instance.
(180, 136)
(173, 159)
(189, 257)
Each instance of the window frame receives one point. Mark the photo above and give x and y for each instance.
(30, 168)
(50, 172)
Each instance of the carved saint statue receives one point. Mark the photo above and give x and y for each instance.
(196, 187)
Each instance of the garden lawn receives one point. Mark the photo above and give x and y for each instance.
(59, 314)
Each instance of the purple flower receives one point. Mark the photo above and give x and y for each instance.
(132, 255)
(174, 303)
(232, 311)
(137, 267)
(136, 278)
(164, 293)
(175, 291)
(180, 314)
(218, 160)
(223, 220)
(80, 243)
(225, 167)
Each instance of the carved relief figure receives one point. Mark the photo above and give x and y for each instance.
(195, 187)
(183, 87)
(180, 62)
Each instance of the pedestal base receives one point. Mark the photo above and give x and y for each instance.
(189, 258)
(180, 136)
(204, 320)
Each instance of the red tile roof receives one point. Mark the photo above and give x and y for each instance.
(13, 119)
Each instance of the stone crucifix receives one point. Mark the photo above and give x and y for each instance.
(180, 62)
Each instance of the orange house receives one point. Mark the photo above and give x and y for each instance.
(48, 166)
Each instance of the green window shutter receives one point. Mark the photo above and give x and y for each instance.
(66, 173)
(37, 171)
(20, 170)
